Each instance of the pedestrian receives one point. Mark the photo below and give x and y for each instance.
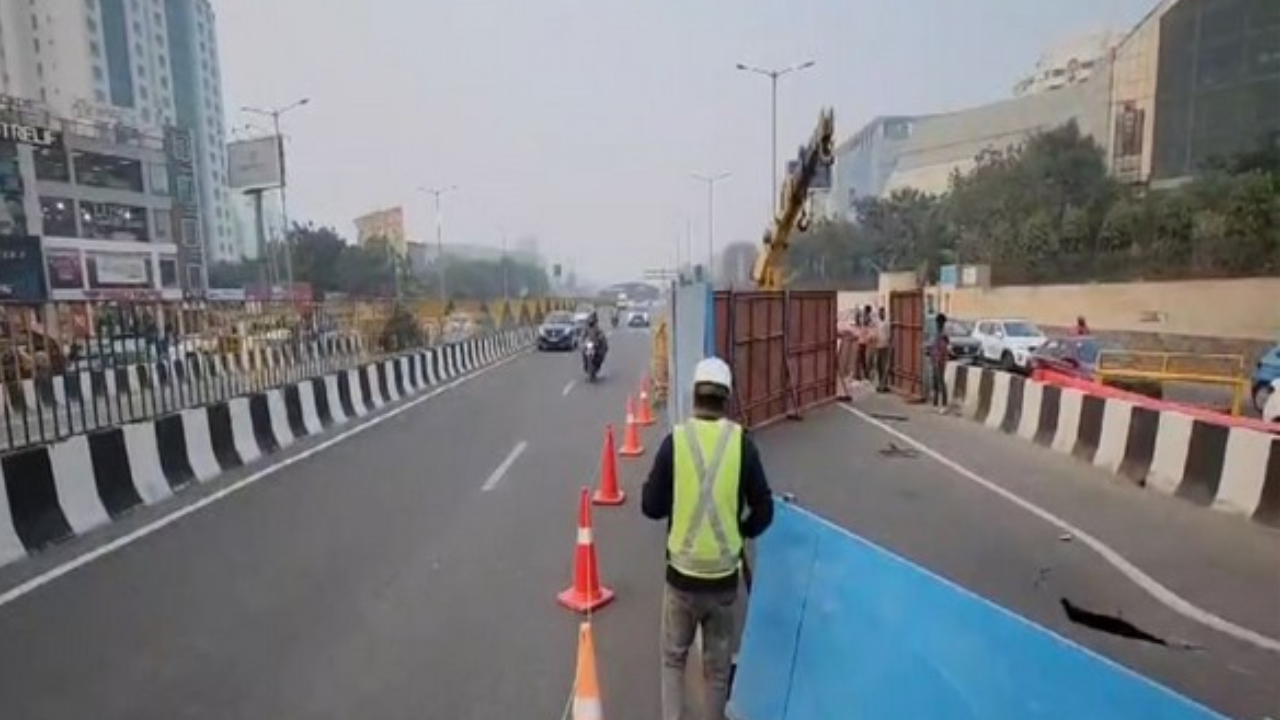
(706, 473)
(1082, 327)
(868, 344)
(939, 353)
(883, 337)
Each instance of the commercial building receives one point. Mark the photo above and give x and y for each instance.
(150, 65)
(385, 225)
(864, 162)
(114, 213)
(1218, 82)
(1069, 63)
(943, 144)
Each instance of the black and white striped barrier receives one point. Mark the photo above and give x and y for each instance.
(52, 493)
(1230, 468)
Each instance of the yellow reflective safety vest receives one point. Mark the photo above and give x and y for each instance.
(705, 541)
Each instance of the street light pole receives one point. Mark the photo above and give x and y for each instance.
(711, 181)
(505, 295)
(774, 75)
(440, 192)
(275, 114)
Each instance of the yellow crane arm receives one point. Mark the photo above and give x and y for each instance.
(770, 266)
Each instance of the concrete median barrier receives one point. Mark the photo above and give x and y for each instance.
(1229, 467)
(838, 627)
(52, 493)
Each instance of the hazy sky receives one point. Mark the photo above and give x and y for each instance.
(578, 121)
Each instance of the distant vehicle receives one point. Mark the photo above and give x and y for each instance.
(1264, 377)
(1078, 357)
(582, 314)
(559, 331)
(638, 319)
(1008, 342)
(961, 342)
(1075, 356)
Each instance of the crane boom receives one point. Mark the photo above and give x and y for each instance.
(770, 266)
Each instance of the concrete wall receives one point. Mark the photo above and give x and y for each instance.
(1235, 316)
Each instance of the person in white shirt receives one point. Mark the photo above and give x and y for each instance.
(883, 337)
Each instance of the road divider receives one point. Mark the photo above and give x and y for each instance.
(52, 493)
(1225, 467)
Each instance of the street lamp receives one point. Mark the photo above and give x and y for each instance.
(711, 181)
(503, 231)
(774, 75)
(275, 114)
(438, 193)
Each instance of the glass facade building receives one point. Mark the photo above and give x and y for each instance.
(1218, 88)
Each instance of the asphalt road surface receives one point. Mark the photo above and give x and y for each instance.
(410, 571)
(848, 469)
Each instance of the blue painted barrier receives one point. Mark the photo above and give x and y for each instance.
(840, 628)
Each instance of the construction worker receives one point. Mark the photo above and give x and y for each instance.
(705, 474)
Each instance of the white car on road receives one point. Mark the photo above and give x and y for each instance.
(1271, 411)
(1008, 342)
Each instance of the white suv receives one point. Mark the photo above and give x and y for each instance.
(1008, 342)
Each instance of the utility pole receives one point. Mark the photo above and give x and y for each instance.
(711, 181)
(440, 261)
(774, 75)
(505, 264)
(275, 115)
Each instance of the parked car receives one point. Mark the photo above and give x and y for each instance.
(963, 345)
(558, 331)
(1078, 356)
(1264, 377)
(1271, 410)
(1008, 342)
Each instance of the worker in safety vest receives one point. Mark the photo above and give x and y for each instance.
(705, 474)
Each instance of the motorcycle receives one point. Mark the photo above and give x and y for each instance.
(591, 358)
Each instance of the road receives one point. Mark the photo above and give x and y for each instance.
(410, 570)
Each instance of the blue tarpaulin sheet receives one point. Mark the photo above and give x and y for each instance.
(841, 629)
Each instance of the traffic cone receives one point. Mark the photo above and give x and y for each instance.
(586, 593)
(609, 493)
(631, 446)
(586, 685)
(644, 416)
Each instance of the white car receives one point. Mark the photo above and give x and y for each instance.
(1008, 342)
(1271, 411)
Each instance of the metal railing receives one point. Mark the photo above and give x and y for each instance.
(1116, 367)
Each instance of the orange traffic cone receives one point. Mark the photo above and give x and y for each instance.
(586, 685)
(585, 594)
(609, 493)
(631, 446)
(644, 415)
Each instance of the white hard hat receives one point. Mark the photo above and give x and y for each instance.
(714, 371)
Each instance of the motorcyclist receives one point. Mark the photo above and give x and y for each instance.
(593, 333)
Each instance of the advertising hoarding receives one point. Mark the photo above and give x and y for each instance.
(254, 164)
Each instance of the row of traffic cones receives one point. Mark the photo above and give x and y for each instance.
(586, 593)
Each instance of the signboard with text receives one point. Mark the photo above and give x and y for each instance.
(254, 164)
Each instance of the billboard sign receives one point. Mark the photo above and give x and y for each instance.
(21, 270)
(254, 164)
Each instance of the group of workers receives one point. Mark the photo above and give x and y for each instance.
(867, 342)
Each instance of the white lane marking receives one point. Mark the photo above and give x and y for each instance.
(501, 471)
(123, 541)
(568, 388)
(1150, 585)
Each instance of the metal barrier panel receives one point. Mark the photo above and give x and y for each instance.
(782, 348)
(906, 322)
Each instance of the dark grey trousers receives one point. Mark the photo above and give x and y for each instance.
(682, 614)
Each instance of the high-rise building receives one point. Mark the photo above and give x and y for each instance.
(147, 64)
